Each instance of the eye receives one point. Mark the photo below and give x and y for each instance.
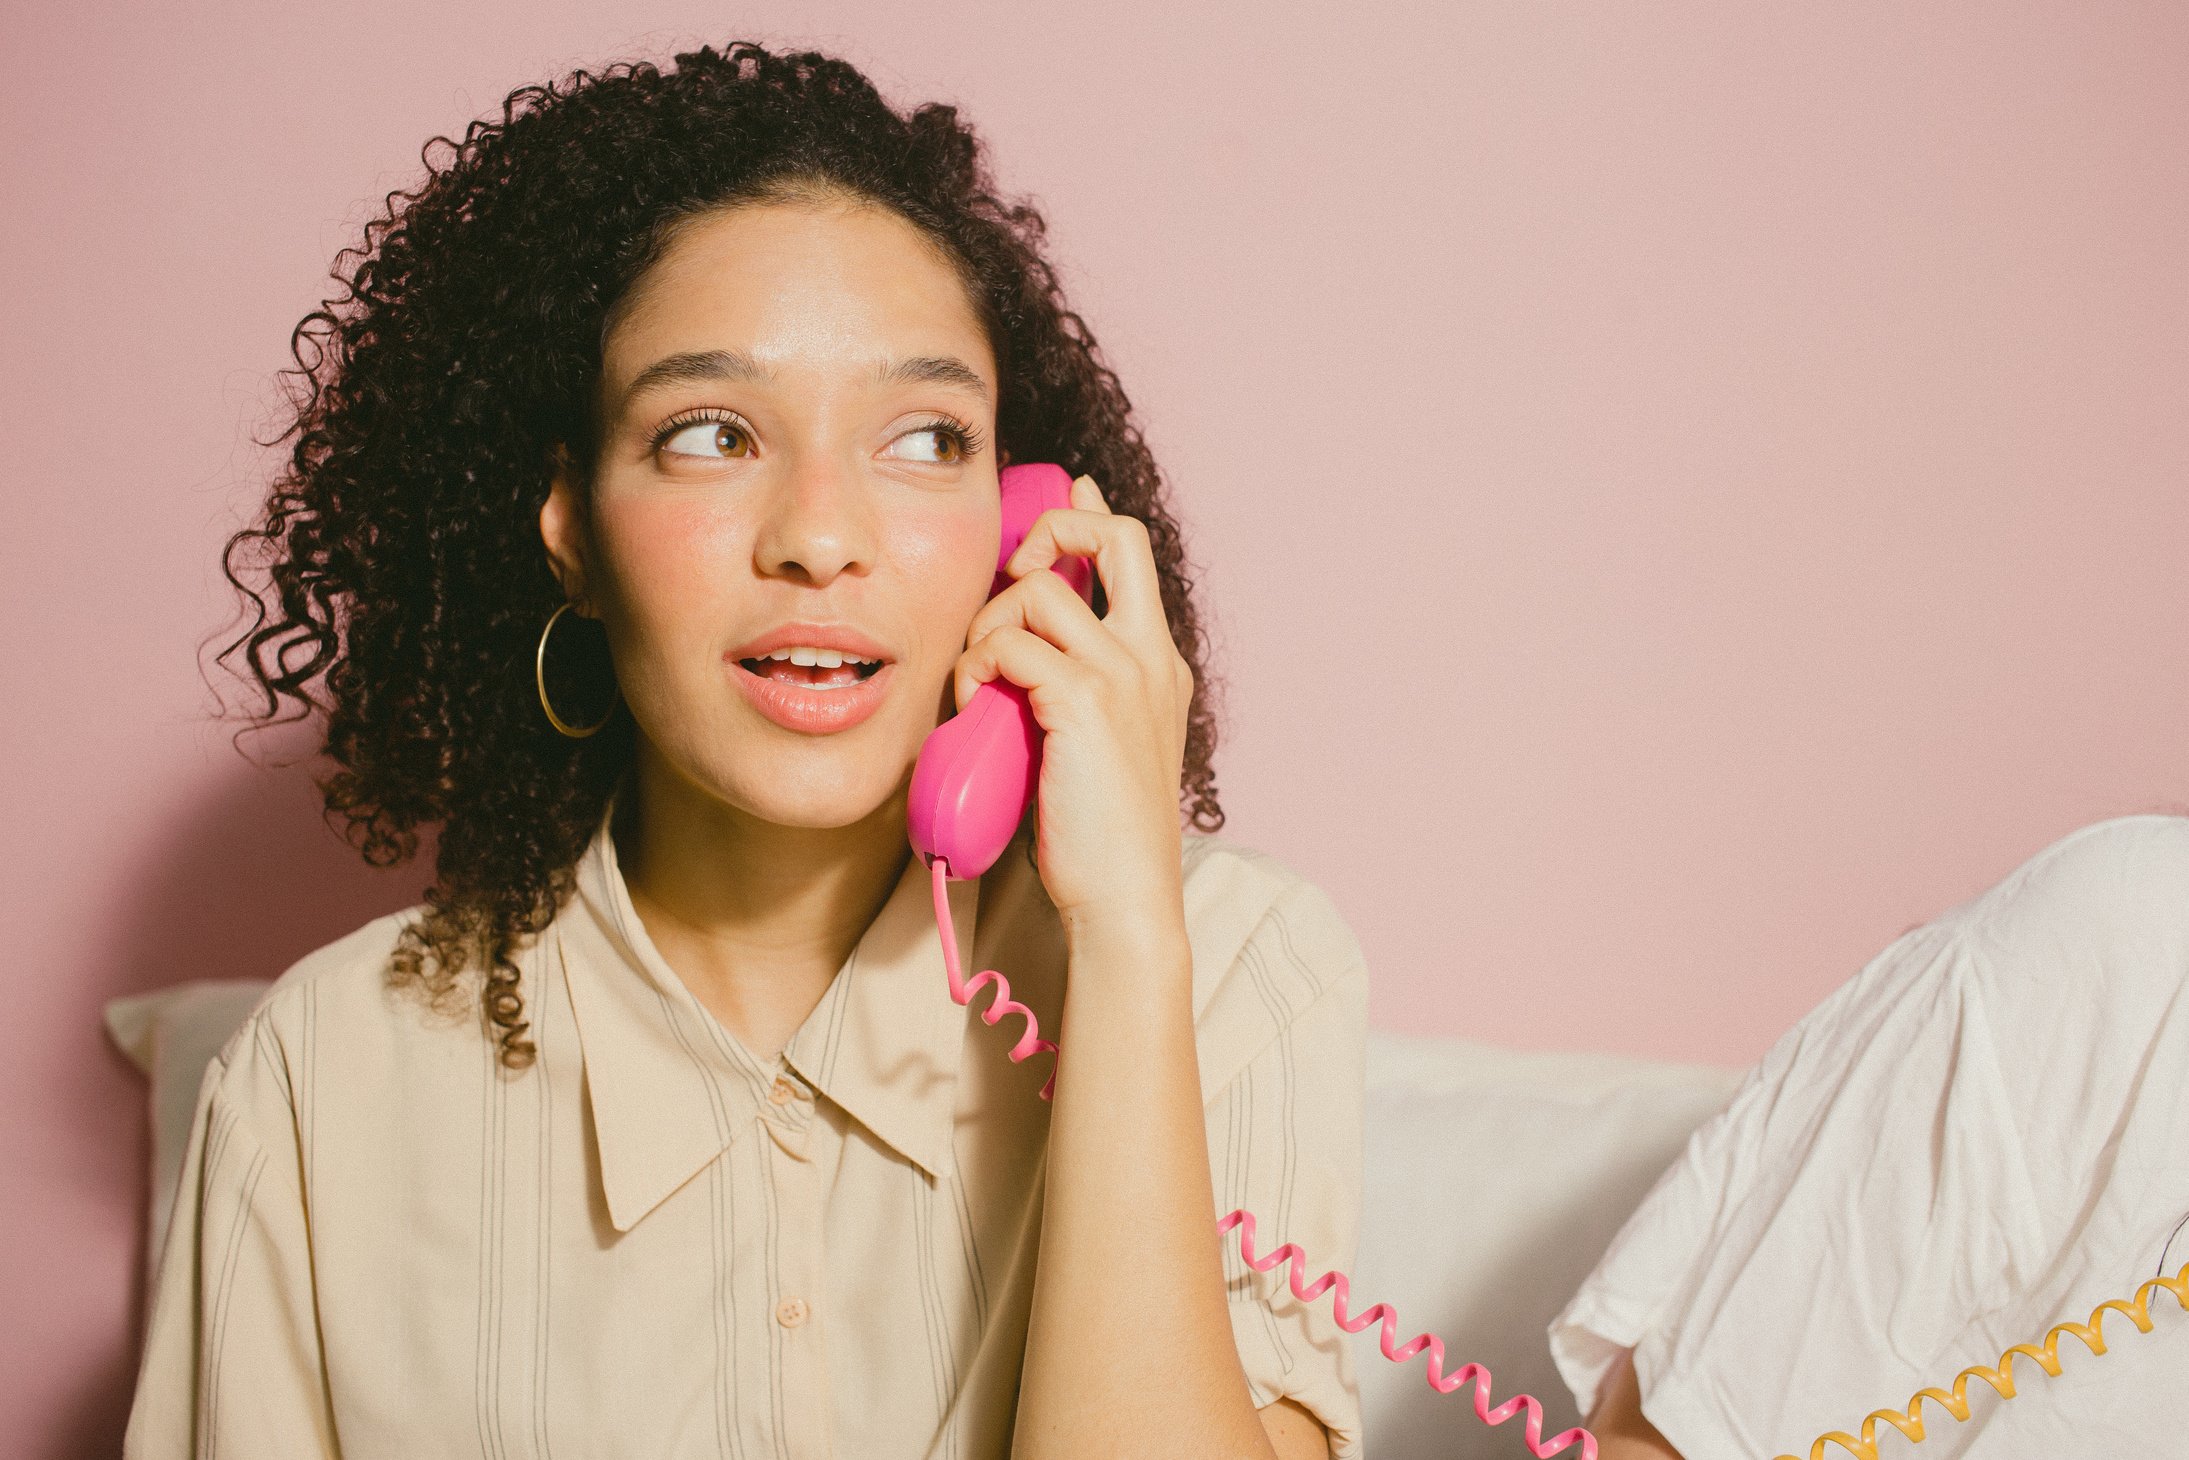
(943, 442)
(704, 436)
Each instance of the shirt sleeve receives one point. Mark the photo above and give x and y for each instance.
(1857, 1198)
(1949, 1154)
(232, 1364)
(1285, 1141)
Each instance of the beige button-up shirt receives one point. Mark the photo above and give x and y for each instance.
(654, 1244)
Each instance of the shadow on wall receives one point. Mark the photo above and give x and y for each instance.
(239, 882)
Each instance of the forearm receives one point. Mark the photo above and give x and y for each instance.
(1622, 1431)
(1129, 1348)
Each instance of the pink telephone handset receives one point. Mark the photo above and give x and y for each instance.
(977, 770)
(975, 777)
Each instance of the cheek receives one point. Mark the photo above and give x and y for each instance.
(952, 559)
(669, 561)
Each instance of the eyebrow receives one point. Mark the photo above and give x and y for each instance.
(689, 366)
(933, 370)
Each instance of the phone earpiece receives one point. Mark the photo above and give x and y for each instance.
(1027, 492)
(977, 771)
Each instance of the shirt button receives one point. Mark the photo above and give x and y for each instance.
(791, 1312)
(782, 1092)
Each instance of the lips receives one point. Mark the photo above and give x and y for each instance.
(812, 678)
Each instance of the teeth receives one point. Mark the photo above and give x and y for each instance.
(816, 658)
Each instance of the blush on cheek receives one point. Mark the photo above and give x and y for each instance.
(671, 560)
(674, 533)
(952, 562)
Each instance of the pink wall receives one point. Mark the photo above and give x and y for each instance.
(1686, 492)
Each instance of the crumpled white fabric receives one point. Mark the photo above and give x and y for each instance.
(1982, 1134)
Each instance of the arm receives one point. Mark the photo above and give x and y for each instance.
(1293, 1432)
(1621, 1430)
(1129, 1348)
(232, 1363)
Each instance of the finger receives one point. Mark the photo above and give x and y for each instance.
(1046, 604)
(1087, 496)
(1122, 554)
(1019, 656)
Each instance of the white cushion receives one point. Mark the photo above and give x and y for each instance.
(172, 1034)
(1492, 1182)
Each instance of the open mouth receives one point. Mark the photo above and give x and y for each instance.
(803, 668)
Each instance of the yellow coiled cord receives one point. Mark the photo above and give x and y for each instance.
(1910, 1422)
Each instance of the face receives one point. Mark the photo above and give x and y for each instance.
(794, 515)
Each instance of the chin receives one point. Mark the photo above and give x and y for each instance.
(815, 791)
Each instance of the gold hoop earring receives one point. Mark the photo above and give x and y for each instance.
(539, 678)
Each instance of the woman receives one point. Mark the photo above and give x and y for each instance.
(639, 527)
(1978, 1137)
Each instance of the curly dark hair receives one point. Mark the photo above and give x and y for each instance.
(398, 548)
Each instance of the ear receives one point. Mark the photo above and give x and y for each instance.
(562, 528)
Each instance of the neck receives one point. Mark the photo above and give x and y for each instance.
(755, 917)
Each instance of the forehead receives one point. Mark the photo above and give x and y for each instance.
(826, 285)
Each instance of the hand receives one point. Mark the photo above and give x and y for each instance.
(1111, 695)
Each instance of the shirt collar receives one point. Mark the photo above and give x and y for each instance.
(670, 1089)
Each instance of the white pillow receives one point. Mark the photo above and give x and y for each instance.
(172, 1034)
(1492, 1181)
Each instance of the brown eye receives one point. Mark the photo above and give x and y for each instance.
(708, 438)
(933, 443)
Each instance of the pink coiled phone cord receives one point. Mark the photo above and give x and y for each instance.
(1030, 1042)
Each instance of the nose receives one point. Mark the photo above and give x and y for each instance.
(820, 523)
